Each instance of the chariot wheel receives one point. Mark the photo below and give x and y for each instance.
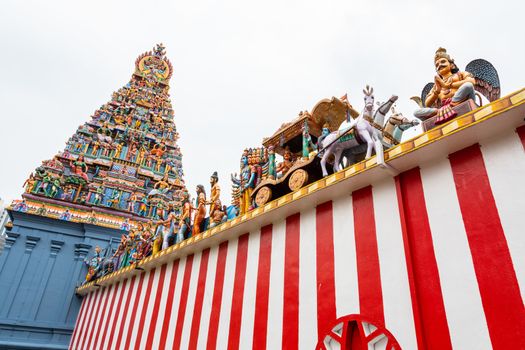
(354, 332)
(263, 196)
(298, 179)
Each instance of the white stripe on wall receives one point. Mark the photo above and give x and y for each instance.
(397, 304)
(250, 288)
(208, 298)
(307, 281)
(227, 294)
(275, 297)
(176, 301)
(192, 290)
(162, 306)
(466, 319)
(345, 266)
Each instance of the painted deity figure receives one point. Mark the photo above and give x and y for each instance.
(46, 179)
(21, 206)
(451, 87)
(98, 196)
(132, 201)
(114, 200)
(160, 212)
(29, 183)
(215, 191)
(119, 252)
(286, 164)
(161, 186)
(143, 207)
(324, 133)
(52, 190)
(200, 213)
(308, 145)
(168, 228)
(68, 195)
(79, 167)
(93, 264)
(158, 239)
(185, 219)
(125, 259)
(248, 180)
(272, 173)
(218, 214)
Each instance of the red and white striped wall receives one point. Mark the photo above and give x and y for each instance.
(434, 255)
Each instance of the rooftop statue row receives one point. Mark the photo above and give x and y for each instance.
(126, 158)
(151, 237)
(335, 132)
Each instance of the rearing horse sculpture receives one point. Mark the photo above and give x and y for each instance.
(368, 127)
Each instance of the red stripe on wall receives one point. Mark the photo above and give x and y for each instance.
(260, 325)
(326, 310)
(133, 312)
(91, 314)
(125, 314)
(199, 297)
(169, 305)
(86, 304)
(110, 312)
(498, 285)
(521, 134)
(183, 302)
(95, 321)
(291, 283)
(432, 331)
(238, 292)
(104, 309)
(418, 326)
(144, 310)
(367, 256)
(117, 312)
(155, 314)
(217, 297)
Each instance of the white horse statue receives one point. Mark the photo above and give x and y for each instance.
(368, 127)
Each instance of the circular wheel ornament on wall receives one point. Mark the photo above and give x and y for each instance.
(263, 196)
(354, 332)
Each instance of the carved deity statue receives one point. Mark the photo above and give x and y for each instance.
(286, 164)
(215, 191)
(451, 87)
(200, 213)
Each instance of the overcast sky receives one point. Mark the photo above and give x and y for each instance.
(241, 68)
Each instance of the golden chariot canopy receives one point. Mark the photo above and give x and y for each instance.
(327, 111)
(332, 112)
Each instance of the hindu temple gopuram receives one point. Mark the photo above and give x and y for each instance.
(344, 231)
(124, 164)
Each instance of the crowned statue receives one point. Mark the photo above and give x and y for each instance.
(452, 87)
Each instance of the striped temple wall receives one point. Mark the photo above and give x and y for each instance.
(435, 254)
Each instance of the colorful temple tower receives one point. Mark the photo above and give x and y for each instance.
(122, 164)
(119, 169)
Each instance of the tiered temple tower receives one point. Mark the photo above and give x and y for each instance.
(120, 168)
(122, 164)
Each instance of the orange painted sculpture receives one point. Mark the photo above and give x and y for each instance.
(452, 87)
(200, 213)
